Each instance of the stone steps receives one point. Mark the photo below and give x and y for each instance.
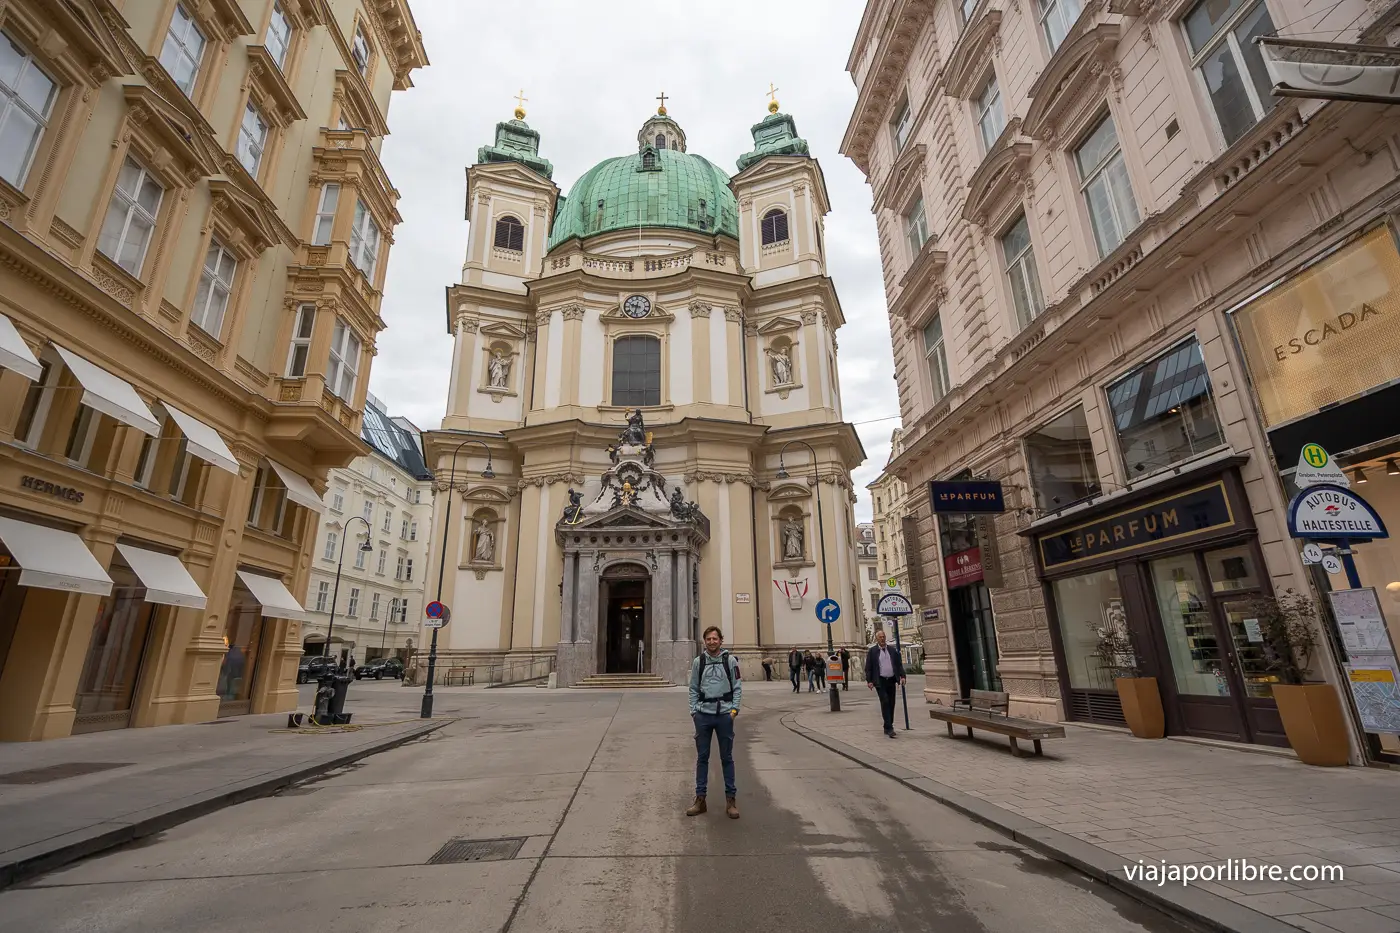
(622, 682)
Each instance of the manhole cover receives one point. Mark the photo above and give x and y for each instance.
(58, 772)
(477, 850)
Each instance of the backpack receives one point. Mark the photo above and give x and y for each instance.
(728, 697)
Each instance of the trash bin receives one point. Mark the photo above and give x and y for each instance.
(340, 687)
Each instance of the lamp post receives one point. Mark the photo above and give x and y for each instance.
(427, 709)
(335, 592)
(821, 538)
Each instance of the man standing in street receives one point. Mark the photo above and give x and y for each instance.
(883, 672)
(795, 669)
(715, 693)
(845, 668)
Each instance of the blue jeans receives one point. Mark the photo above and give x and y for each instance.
(723, 726)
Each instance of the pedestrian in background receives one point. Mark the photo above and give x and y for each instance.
(810, 663)
(795, 669)
(715, 692)
(883, 672)
(821, 670)
(845, 668)
(767, 668)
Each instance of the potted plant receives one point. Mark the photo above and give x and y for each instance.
(1138, 695)
(1311, 712)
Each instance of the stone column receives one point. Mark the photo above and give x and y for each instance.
(578, 658)
(568, 618)
(662, 615)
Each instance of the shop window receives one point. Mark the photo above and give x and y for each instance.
(352, 609)
(1088, 607)
(113, 661)
(279, 36)
(1163, 411)
(936, 359)
(344, 366)
(325, 215)
(1232, 570)
(360, 50)
(364, 241)
(243, 635)
(131, 217)
(901, 126)
(215, 286)
(774, 227)
(252, 139)
(1056, 18)
(510, 234)
(323, 596)
(1198, 658)
(1020, 272)
(1108, 194)
(373, 605)
(991, 115)
(183, 49)
(1228, 62)
(636, 370)
(916, 228)
(300, 349)
(1060, 457)
(27, 96)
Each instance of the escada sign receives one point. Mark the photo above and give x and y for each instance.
(1206, 508)
(1331, 327)
(1331, 512)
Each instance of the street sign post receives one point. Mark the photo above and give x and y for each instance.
(438, 615)
(1317, 468)
(828, 611)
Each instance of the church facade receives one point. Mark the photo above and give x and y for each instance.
(643, 434)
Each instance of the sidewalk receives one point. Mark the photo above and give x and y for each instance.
(1105, 799)
(67, 798)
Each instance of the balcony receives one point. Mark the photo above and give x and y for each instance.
(306, 415)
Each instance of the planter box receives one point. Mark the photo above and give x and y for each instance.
(1142, 706)
(1313, 719)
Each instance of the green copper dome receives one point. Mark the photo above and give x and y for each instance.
(653, 188)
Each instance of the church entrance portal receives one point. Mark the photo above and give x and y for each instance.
(625, 626)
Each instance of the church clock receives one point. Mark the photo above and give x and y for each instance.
(636, 306)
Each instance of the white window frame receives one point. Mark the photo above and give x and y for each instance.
(388, 520)
(361, 51)
(408, 573)
(12, 102)
(1099, 173)
(398, 569)
(279, 36)
(146, 462)
(916, 227)
(128, 203)
(413, 531)
(48, 380)
(323, 595)
(302, 328)
(352, 608)
(901, 126)
(325, 214)
(936, 361)
(78, 447)
(359, 558)
(367, 513)
(214, 289)
(1022, 266)
(344, 363)
(1060, 10)
(403, 611)
(178, 45)
(991, 114)
(1225, 33)
(252, 139)
(383, 559)
(393, 608)
(374, 607)
(403, 530)
(332, 539)
(364, 241)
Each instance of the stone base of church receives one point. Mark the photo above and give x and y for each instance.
(670, 660)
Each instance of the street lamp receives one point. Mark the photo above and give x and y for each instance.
(821, 538)
(335, 593)
(427, 709)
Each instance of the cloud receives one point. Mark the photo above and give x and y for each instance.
(591, 72)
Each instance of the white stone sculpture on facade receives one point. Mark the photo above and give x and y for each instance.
(498, 370)
(485, 542)
(792, 539)
(782, 366)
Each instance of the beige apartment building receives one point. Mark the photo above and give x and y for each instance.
(1111, 255)
(892, 510)
(194, 229)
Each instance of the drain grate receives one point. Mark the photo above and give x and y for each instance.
(477, 850)
(59, 772)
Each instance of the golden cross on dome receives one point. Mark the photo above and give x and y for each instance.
(661, 109)
(520, 100)
(772, 98)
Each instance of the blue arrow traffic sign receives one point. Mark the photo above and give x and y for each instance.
(828, 611)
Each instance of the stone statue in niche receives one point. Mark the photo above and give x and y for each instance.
(498, 370)
(573, 512)
(680, 508)
(782, 366)
(635, 434)
(792, 539)
(485, 542)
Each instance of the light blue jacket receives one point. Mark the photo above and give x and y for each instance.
(707, 691)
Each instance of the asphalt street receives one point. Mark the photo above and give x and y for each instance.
(595, 785)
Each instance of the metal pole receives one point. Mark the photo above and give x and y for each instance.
(826, 586)
(903, 691)
(335, 592)
(1349, 563)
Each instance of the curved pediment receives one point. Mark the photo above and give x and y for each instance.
(1000, 173)
(1066, 85)
(789, 491)
(968, 62)
(903, 178)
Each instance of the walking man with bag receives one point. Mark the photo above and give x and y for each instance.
(795, 669)
(715, 693)
(884, 670)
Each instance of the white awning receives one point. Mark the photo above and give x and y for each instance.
(52, 559)
(15, 353)
(204, 442)
(276, 600)
(166, 579)
(298, 489)
(110, 394)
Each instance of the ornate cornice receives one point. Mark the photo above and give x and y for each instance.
(699, 309)
(466, 323)
(573, 312)
(897, 38)
(549, 479)
(748, 479)
(734, 315)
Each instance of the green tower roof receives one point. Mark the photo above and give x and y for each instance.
(653, 188)
(516, 142)
(775, 135)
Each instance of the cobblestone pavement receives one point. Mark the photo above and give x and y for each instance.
(1175, 802)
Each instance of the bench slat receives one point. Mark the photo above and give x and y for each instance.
(1002, 725)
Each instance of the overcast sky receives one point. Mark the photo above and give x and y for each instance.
(591, 72)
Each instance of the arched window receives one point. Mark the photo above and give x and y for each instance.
(636, 370)
(660, 140)
(775, 226)
(510, 234)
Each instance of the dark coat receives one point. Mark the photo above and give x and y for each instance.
(872, 663)
(794, 660)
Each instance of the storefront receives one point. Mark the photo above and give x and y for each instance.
(1174, 562)
(1322, 347)
(257, 598)
(972, 622)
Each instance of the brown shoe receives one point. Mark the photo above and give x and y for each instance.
(731, 809)
(696, 808)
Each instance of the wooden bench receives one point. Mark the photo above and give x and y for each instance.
(986, 710)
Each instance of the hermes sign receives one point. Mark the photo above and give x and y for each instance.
(1205, 508)
(1326, 334)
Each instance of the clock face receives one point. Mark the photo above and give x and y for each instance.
(636, 306)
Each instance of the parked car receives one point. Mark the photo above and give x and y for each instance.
(313, 667)
(380, 668)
